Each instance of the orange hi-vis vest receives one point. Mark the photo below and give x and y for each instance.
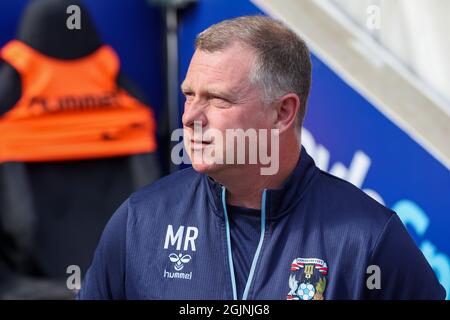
(71, 109)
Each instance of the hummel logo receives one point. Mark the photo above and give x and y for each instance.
(179, 260)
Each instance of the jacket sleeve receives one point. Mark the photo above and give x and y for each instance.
(405, 273)
(105, 278)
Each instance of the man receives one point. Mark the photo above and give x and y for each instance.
(225, 230)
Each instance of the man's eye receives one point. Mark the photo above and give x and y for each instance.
(219, 102)
(188, 95)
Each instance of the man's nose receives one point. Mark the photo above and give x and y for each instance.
(194, 113)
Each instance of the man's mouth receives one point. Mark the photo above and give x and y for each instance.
(199, 144)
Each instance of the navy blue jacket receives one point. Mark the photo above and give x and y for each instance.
(322, 238)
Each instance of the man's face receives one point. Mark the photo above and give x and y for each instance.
(219, 96)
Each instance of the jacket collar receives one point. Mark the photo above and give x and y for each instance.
(279, 202)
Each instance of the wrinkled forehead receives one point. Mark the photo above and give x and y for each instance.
(228, 68)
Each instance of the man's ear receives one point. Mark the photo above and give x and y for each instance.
(287, 108)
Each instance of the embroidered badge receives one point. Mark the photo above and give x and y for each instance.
(307, 280)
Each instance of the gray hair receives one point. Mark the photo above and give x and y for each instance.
(283, 63)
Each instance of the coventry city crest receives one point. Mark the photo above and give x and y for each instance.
(307, 280)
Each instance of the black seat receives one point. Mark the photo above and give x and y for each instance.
(52, 213)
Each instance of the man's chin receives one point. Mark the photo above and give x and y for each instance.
(207, 168)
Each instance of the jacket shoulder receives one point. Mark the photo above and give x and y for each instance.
(347, 205)
(173, 188)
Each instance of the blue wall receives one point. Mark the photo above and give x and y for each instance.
(406, 177)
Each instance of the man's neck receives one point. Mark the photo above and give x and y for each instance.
(245, 184)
